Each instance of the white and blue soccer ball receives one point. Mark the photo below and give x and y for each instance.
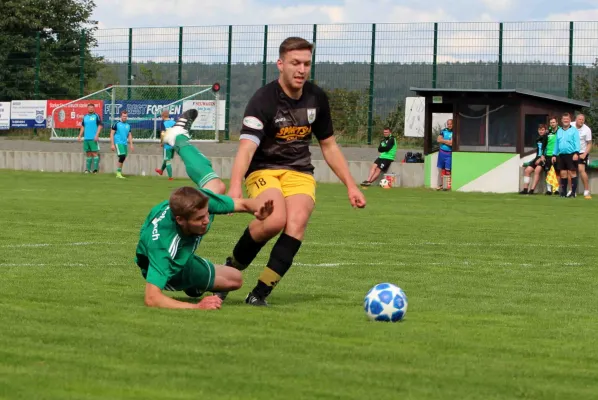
(385, 302)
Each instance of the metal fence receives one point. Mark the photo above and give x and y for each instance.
(376, 62)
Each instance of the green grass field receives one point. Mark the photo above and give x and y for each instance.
(503, 300)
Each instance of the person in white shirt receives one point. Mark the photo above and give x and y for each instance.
(585, 146)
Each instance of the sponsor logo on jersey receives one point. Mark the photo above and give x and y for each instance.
(291, 133)
(155, 222)
(311, 115)
(253, 123)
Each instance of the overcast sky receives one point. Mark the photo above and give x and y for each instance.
(162, 13)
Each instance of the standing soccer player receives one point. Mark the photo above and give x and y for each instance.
(566, 148)
(120, 135)
(445, 154)
(553, 127)
(167, 150)
(91, 126)
(274, 158)
(585, 146)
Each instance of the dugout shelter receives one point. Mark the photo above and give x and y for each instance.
(494, 132)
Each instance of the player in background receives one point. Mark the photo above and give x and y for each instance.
(91, 126)
(537, 164)
(566, 148)
(445, 154)
(167, 150)
(553, 127)
(274, 158)
(585, 146)
(388, 151)
(121, 140)
(171, 233)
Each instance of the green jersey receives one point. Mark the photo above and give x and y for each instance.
(163, 250)
(550, 143)
(388, 148)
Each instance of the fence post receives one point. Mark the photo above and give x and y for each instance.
(435, 56)
(264, 59)
(180, 72)
(228, 82)
(371, 91)
(500, 36)
(37, 65)
(130, 64)
(82, 64)
(570, 89)
(313, 54)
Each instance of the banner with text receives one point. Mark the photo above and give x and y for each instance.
(4, 116)
(206, 119)
(70, 116)
(28, 114)
(141, 112)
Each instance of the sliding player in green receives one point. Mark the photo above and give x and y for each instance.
(174, 229)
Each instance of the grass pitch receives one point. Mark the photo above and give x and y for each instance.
(502, 299)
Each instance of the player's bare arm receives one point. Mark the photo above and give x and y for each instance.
(80, 133)
(244, 155)
(259, 208)
(131, 142)
(112, 146)
(336, 160)
(155, 298)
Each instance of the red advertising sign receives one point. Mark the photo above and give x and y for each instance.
(70, 116)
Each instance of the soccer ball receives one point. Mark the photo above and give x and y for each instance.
(384, 183)
(385, 302)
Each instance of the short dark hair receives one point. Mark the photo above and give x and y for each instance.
(542, 126)
(566, 115)
(386, 128)
(553, 117)
(123, 112)
(91, 104)
(294, 43)
(185, 200)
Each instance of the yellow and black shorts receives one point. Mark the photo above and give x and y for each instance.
(287, 181)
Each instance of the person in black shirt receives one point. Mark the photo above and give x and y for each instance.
(274, 158)
(537, 164)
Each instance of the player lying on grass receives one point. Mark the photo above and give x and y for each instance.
(169, 237)
(173, 230)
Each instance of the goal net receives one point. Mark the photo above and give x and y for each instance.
(144, 105)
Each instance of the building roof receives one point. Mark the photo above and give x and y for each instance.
(523, 92)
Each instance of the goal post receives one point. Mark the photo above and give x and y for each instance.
(144, 105)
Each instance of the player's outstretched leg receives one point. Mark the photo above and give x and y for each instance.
(181, 127)
(198, 167)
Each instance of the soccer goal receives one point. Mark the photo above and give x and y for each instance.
(144, 105)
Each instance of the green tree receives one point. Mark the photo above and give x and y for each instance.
(586, 88)
(65, 37)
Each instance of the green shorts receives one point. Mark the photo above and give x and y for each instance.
(168, 154)
(121, 150)
(91, 146)
(197, 273)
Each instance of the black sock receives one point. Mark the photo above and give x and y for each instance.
(563, 188)
(574, 182)
(245, 251)
(281, 259)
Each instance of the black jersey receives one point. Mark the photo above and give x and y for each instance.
(282, 127)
